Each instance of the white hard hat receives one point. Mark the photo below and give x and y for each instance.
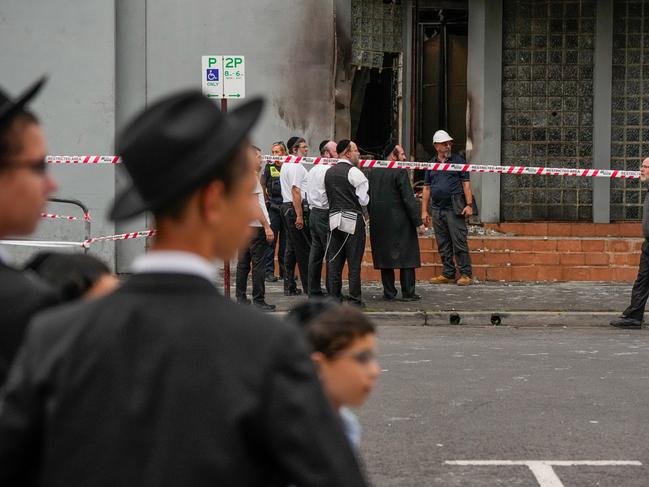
(441, 136)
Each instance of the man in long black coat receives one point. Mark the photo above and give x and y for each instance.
(24, 187)
(395, 220)
(165, 382)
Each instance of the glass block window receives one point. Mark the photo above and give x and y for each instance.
(376, 29)
(630, 105)
(547, 107)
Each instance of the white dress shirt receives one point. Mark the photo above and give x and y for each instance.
(358, 180)
(314, 186)
(262, 205)
(173, 262)
(290, 175)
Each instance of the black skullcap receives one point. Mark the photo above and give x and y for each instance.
(343, 145)
(389, 149)
(291, 142)
(321, 147)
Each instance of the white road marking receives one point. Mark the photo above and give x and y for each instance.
(542, 469)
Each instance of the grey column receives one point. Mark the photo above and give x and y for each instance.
(408, 72)
(131, 92)
(484, 93)
(602, 94)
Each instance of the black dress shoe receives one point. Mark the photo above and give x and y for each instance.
(264, 306)
(414, 297)
(271, 278)
(628, 323)
(244, 301)
(389, 298)
(293, 292)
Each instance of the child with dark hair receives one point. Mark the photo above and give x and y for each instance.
(73, 276)
(343, 343)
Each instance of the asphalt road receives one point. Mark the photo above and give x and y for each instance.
(500, 393)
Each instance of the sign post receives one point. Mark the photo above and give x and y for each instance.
(223, 77)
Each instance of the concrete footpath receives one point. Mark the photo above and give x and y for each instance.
(492, 303)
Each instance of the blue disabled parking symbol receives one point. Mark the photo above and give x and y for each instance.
(212, 75)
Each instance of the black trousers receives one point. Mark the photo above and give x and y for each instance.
(276, 224)
(407, 278)
(344, 247)
(300, 245)
(640, 291)
(319, 228)
(255, 254)
(452, 236)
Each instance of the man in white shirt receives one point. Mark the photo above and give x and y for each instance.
(318, 218)
(347, 189)
(292, 182)
(255, 253)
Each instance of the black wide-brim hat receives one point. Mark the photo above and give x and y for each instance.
(10, 108)
(174, 146)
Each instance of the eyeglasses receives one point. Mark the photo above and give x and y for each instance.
(364, 358)
(39, 167)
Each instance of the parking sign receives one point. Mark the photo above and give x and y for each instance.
(223, 76)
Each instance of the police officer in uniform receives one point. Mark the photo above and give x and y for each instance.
(273, 195)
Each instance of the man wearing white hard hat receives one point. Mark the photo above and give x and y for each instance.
(446, 204)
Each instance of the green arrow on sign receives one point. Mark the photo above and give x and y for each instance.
(213, 96)
(235, 94)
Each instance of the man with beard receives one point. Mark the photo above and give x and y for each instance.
(395, 220)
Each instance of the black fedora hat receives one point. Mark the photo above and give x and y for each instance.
(10, 108)
(174, 145)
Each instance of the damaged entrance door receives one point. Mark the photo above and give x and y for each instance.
(442, 76)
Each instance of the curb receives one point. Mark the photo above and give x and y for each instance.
(517, 319)
(505, 318)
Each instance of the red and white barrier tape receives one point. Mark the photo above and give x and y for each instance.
(56, 216)
(373, 163)
(480, 168)
(85, 244)
(83, 160)
(123, 236)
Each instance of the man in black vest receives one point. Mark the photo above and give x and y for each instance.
(395, 220)
(24, 188)
(273, 194)
(165, 382)
(346, 188)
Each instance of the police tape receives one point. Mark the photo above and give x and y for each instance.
(123, 236)
(85, 244)
(112, 160)
(56, 216)
(478, 168)
(375, 163)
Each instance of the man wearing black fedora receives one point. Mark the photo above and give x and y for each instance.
(24, 188)
(165, 382)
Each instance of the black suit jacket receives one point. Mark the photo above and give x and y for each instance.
(21, 297)
(167, 383)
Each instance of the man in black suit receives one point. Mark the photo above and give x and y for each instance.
(24, 188)
(395, 221)
(165, 382)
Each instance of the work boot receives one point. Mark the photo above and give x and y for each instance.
(464, 281)
(442, 280)
(627, 323)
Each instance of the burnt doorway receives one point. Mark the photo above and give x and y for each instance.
(374, 106)
(442, 41)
